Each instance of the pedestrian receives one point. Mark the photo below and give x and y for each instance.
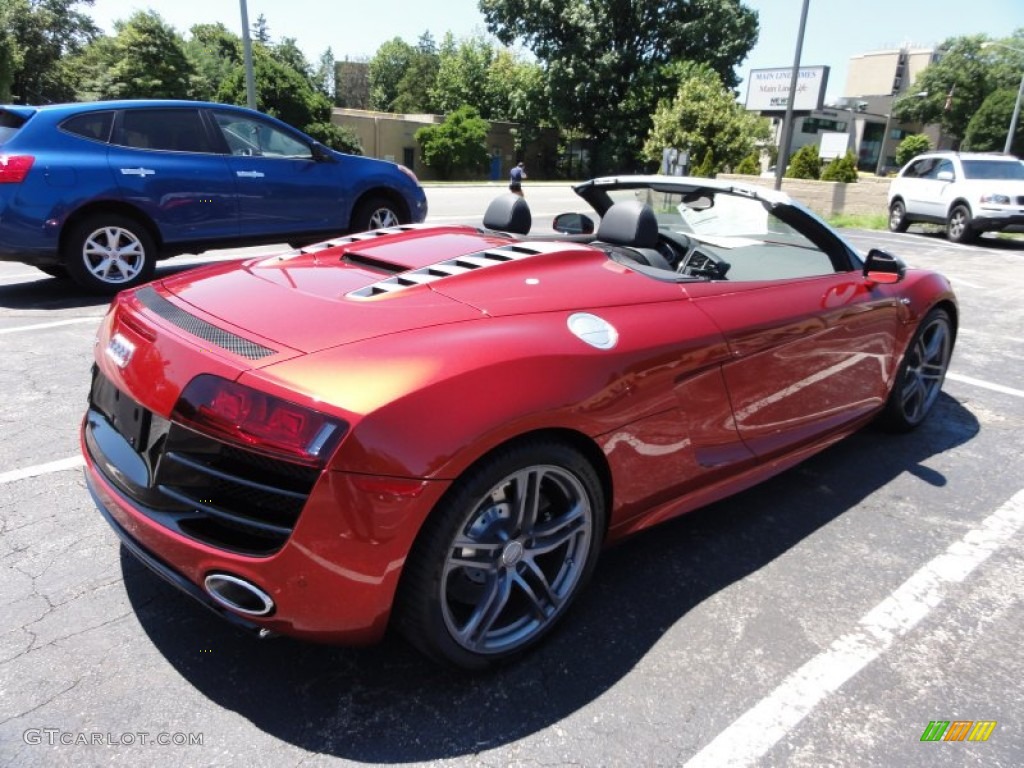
(515, 179)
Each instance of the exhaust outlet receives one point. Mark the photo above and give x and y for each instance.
(238, 594)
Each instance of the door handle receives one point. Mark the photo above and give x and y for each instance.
(249, 174)
(143, 172)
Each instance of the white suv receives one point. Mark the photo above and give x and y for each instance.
(969, 193)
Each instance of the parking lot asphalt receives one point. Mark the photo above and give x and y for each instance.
(826, 617)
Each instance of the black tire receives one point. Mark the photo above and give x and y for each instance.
(503, 555)
(920, 375)
(106, 253)
(375, 213)
(958, 225)
(53, 270)
(898, 217)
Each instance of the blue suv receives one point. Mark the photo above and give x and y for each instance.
(100, 191)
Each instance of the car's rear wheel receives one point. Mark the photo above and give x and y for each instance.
(107, 253)
(920, 376)
(503, 555)
(898, 217)
(375, 213)
(958, 225)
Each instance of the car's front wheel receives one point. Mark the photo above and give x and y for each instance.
(898, 217)
(920, 376)
(107, 253)
(374, 213)
(503, 555)
(958, 225)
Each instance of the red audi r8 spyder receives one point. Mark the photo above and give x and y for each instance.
(438, 428)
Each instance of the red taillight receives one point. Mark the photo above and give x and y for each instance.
(261, 422)
(14, 168)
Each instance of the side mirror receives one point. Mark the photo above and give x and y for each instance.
(881, 267)
(321, 154)
(573, 224)
(944, 175)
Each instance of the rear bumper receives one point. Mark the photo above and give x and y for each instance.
(335, 579)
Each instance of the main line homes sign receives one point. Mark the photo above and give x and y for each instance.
(768, 89)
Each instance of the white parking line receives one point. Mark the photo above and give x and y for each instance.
(53, 324)
(61, 465)
(762, 726)
(985, 384)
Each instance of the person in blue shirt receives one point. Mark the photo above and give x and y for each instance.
(515, 179)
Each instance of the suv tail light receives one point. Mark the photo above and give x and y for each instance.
(260, 422)
(14, 168)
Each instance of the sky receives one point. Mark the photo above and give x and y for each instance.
(835, 31)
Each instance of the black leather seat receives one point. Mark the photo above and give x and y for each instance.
(508, 213)
(633, 225)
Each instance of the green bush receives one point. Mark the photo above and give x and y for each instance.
(912, 146)
(805, 164)
(339, 137)
(842, 169)
(706, 167)
(749, 165)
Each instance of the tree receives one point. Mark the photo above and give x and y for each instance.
(805, 164)
(260, 30)
(960, 80)
(706, 167)
(988, 128)
(702, 116)
(281, 91)
(145, 59)
(911, 146)
(457, 144)
(214, 53)
(842, 169)
(462, 74)
(606, 60)
(416, 86)
(36, 39)
(387, 68)
(325, 76)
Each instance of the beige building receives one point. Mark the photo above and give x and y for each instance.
(392, 137)
(885, 73)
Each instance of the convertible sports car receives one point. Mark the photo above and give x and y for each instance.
(437, 429)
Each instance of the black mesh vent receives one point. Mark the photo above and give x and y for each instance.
(204, 330)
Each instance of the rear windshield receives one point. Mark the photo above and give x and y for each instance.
(9, 124)
(993, 169)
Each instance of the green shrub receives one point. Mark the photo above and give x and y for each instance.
(805, 164)
(749, 165)
(842, 169)
(912, 146)
(706, 167)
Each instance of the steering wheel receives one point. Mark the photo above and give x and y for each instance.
(698, 263)
(674, 246)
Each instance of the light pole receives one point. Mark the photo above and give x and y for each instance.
(787, 123)
(1020, 95)
(250, 79)
(888, 123)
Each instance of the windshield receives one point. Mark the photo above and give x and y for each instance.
(715, 215)
(993, 169)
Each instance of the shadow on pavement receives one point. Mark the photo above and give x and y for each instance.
(388, 705)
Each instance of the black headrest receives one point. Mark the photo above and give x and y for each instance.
(631, 223)
(509, 213)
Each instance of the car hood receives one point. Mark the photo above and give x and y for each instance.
(375, 284)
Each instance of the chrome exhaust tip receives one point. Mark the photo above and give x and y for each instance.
(238, 594)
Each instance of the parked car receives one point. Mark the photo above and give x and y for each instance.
(437, 429)
(100, 191)
(969, 193)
